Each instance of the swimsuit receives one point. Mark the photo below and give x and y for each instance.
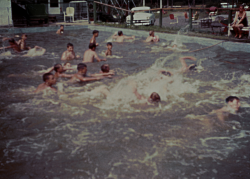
(244, 21)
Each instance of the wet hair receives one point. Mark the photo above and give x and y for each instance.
(231, 98)
(192, 67)
(120, 33)
(109, 43)
(155, 97)
(57, 66)
(150, 32)
(12, 40)
(95, 31)
(166, 73)
(81, 66)
(105, 68)
(92, 45)
(70, 45)
(46, 76)
(61, 25)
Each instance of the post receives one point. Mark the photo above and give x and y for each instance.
(190, 19)
(143, 3)
(160, 3)
(230, 17)
(94, 8)
(131, 18)
(160, 18)
(88, 11)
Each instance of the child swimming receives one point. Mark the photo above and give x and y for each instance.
(109, 48)
(90, 54)
(120, 37)
(69, 54)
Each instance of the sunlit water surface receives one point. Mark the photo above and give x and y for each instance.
(83, 134)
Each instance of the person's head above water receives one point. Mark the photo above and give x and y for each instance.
(120, 33)
(109, 45)
(82, 67)
(92, 46)
(105, 68)
(154, 97)
(151, 33)
(233, 102)
(49, 79)
(166, 73)
(58, 67)
(70, 47)
(67, 64)
(24, 36)
(61, 27)
(95, 33)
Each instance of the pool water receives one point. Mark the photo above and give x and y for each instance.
(83, 134)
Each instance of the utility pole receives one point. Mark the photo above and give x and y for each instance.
(160, 3)
(143, 2)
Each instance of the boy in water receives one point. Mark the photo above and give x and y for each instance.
(81, 74)
(49, 80)
(233, 105)
(22, 42)
(69, 54)
(108, 51)
(61, 30)
(13, 45)
(152, 37)
(121, 37)
(90, 54)
(60, 72)
(93, 39)
(105, 71)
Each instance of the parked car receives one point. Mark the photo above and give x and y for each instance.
(145, 17)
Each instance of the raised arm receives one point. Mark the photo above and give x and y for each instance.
(183, 63)
(1, 48)
(114, 36)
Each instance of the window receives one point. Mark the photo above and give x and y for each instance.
(53, 3)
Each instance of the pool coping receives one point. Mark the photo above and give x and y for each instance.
(228, 45)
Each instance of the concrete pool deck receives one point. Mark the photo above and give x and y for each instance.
(228, 45)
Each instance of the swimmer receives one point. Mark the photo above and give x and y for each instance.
(13, 45)
(120, 37)
(90, 54)
(109, 48)
(21, 42)
(233, 105)
(66, 67)
(69, 54)
(153, 98)
(105, 71)
(184, 67)
(152, 37)
(61, 30)
(36, 51)
(49, 80)
(60, 72)
(93, 39)
(81, 74)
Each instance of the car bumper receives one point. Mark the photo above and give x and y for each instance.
(140, 22)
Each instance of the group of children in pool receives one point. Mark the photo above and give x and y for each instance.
(89, 56)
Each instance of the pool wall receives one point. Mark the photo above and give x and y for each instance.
(230, 46)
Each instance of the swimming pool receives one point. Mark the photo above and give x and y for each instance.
(84, 135)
